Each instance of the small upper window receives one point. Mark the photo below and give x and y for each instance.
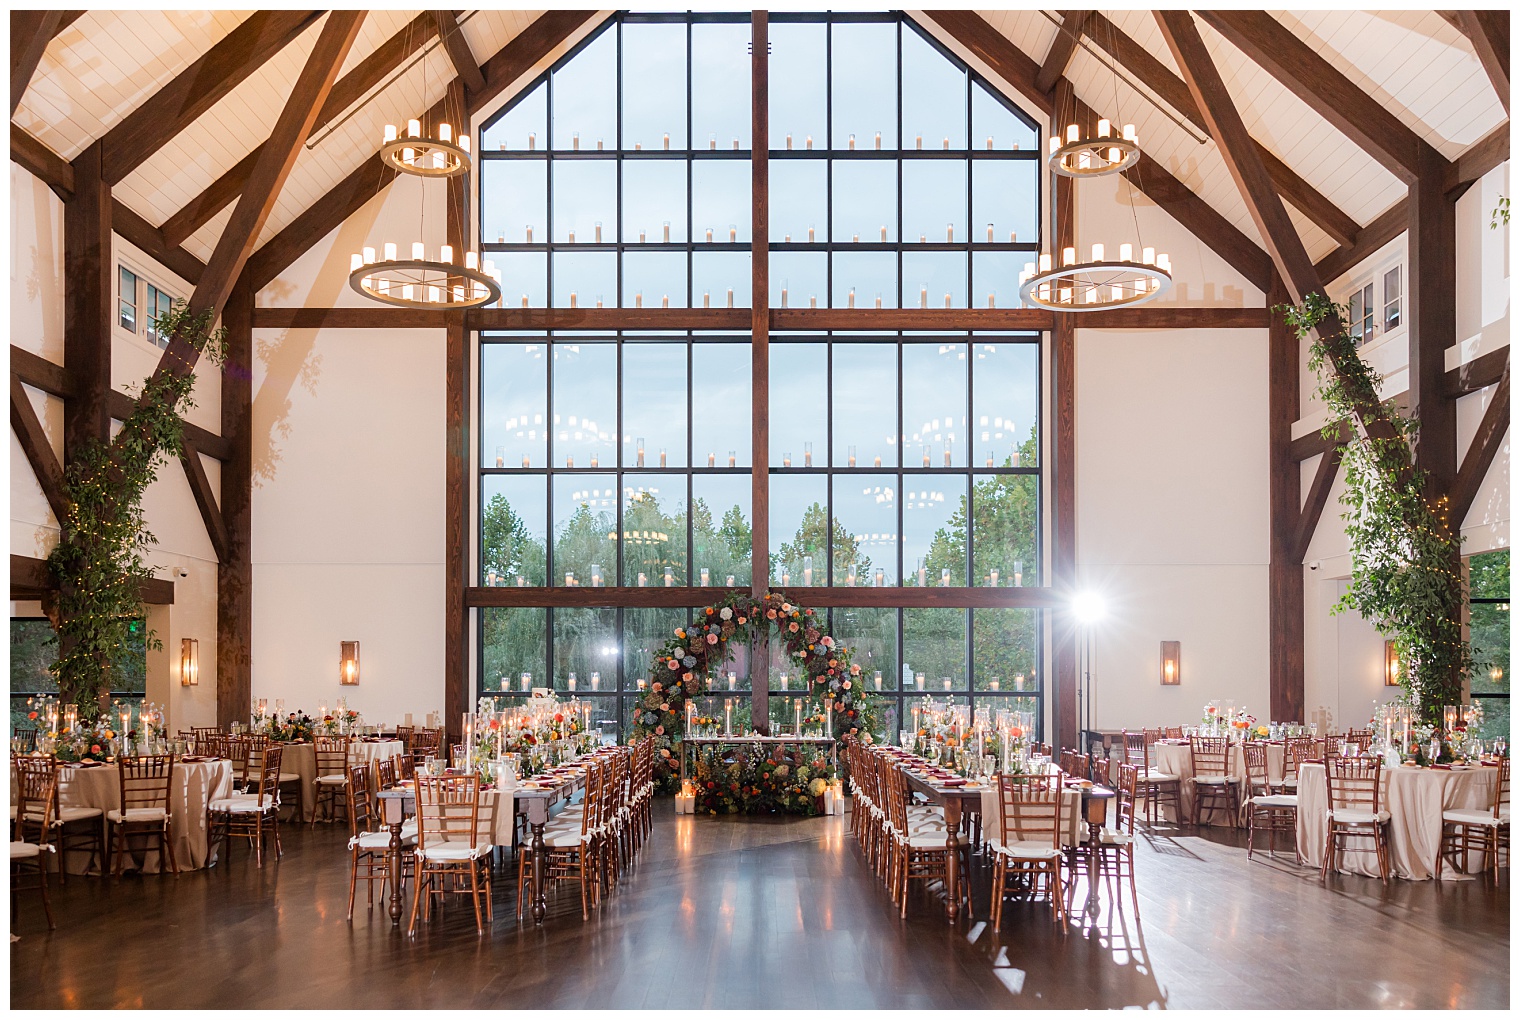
(126, 299)
(157, 305)
(1361, 314)
(1393, 298)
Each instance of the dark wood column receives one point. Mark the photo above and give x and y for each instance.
(1285, 575)
(1432, 313)
(760, 357)
(456, 671)
(1063, 450)
(88, 269)
(234, 576)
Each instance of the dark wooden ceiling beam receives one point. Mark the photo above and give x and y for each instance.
(1479, 159)
(1157, 77)
(1371, 237)
(69, 17)
(348, 89)
(466, 67)
(1068, 35)
(1482, 451)
(349, 195)
(30, 579)
(1472, 376)
(42, 162)
(1488, 31)
(1314, 503)
(199, 87)
(205, 498)
(39, 452)
(31, 31)
(1326, 90)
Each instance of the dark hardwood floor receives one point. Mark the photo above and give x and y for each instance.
(783, 913)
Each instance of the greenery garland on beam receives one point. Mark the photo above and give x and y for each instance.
(1406, 576)
(679, 667)
(97, 562)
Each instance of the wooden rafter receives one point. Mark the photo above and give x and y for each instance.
(1285, 581)
(31, 31)
(466, 67)
(1326, 90)
(69, 17)
(1157, 77)
(39, 452)
(199, 87)
(1369, 239)
(234, 576)
(42, 162)
(205, 498)
(1314, 503)
(1481, 453)
(345, 198)
(1479, 159)
(1061, 49)
(1488, 31)
(348, 89)
(30, 579)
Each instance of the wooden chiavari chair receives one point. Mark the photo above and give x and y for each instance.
(27, 736)
(1266, 809)
(405, 735)
(1028, 849)
(255, 771)
(254, 816)
(77, 827)
(1153, 786)
(1354, 798)
(920, 848)
(406, 766)
(1363, 739)
(1211, 775)
(426, 742)
(369, 843)
(1461, 828)
(36, 799)
(145, 783)
(332, 754)
(1296, 751)
(237, 749)
(1116, 846)
(572, 846)
(449, 847)
(1174, 733)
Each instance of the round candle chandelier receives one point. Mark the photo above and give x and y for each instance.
(1098, 283)
(436, 155)
(1096, 156)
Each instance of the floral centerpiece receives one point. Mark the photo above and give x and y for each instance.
(338, 722)
(539, 734)
(296, 727)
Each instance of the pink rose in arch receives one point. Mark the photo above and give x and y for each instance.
(712, 639)
(792, 627)
(675, 664)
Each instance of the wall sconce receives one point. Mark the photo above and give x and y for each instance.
(189, 662)
(1390, 664)
(1171, 663)
(348, 664)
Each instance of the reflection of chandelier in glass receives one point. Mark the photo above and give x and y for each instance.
(438, 156)
(1097, 156)
(1099, 283)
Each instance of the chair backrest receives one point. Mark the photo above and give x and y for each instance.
(1501, 788)
(145, 781)
(1040, 749)
(258, 743)
(269, 775)
(406, 766)
(332, 755)
(385, 773)
(1129, 782)
(1137, 751)
(361, 804)
(425, 742)
(237, 750)
(206, 731)
(405, 734)
(1031, 809)
(1211, 755)
(1296, 751)
(36, 797)
(1354, 783)
(27, 735)
(1256, 768)
(448, 809)
(1153, 735)
(1174, 733)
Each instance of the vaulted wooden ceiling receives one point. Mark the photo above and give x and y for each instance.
(182, 101)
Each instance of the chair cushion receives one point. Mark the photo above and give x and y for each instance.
(290, 777)
(1158, 777)
(1354, 816)
(1213, 780)
(379, 840)
(932, 840)
(563, 838)
(244, 804)
(1276, 800)
(23, 851)
(1475, 816)
(138, 814)
(76, 814)
(1028, 850)
(454, 851)
(328, 780)
(1113, 837)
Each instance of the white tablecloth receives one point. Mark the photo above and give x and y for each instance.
(1075, 825)
(1176, 759)
(1415, 798)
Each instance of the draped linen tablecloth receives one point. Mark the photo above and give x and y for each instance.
(1176, 759)
(300, 759)
(1075, 826)
(1414, 798)
(194, 786)
(369, 753)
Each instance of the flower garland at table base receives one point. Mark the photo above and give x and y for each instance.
(679, 666)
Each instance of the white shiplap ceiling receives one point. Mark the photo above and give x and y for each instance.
(107, 63)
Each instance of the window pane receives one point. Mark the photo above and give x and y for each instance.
(585, 519)
(722, 541)
(720, 99)
(720, 200)
(654, 86)
(934, 644)
(871, 637)
(934, 405)
(523, 126)
(1006, 522)
(934, 94)
(585, 96)
(515, 201)
(514, 392)
(995, 278)
(722, 278)
(1005, 398)
(654, 279)
(524, 278)
(582, 278)
(799, 195)
(865, 199)
(1004, 645)
(865, 405)
(865, 516)
(1006, 194)
(721, 405)
(34, 649)
(644, 631)
(654, 530)
(585, 200)
(127, 299)
(799, 522)
(585, 405)
(1488, 575)
(864, 84)
(654, 193)
(991, 118)
(799, 279)
(934, 279)
(584, 640)
(513, 642)
(1392, 293)
(934, 200)
(934, 530)
(654, 404)
(799, 403)
(513, 530)
(797, 87)
(862, 277)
